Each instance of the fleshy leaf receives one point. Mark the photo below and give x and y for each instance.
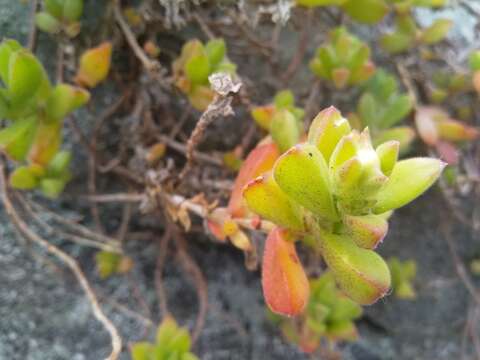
(265, 198)
(25, 75)
(141, 350)
(284, 99)
(409, 179)
(285, 284)
(94, 65)
(7, 48)
(366, 11)
(215, 50)
(197, 68)
(72, 9)
(403, 134)
(388, 155)
(46, 22)
(454, 130)
(16, 139)
(259, 161)
(362, 274)
(64, 99)
(284, 130)
(54, 7)
(366, 231)
(46, 143)
(436, 32)
(302, 174)
(326, 130)
(23, 178)
(263, 115)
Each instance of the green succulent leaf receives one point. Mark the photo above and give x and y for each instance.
(25, 75)
(362, 274)
(23, 178)
(59, 164)
(396, 42)
(141, 350)
(436, 32)
(326, 130)
(52, 188)
(54, 7)
(409, 179)
(388, 155)
(265, 198)
(366, 11)
(64, 99)
(474, 60)
(16, 139)
(72, 9)
(216, 50)
(302, 174)
(197, 68)
(317, 3)
(403, 134)
(284, 99)
(7, 48)
(284, 129)
(47, 22)
(366, 231)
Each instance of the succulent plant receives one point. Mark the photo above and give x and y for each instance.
(381, 107)
(403, 274)
(344, 60)
(192, 69)
(35, 111)
(407, 35)
(336, 192)
(94, 65)
(109, 263)
(282, 119)
(60, 15)
(329, 315)
(171, 342)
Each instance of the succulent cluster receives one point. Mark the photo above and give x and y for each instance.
(336, 192)
(109, 263)
(344, 60)
(329, 315)
(195, 64)
(60, 16)
(446, 84)
(381, 107)
(282, 119)
(171, 342)
(35, 110)
(403, 274)
(407, 35)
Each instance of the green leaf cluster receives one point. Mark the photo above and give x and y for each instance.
(407, 35)
(35, 110)
(403, 274)
(337, 191)
(60, 16)
(171, 343)
(110, 263)
(196, 63)
(381, 107)
(329, 315)
(344, 60)
(282, 119)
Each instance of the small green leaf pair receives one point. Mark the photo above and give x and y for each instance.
(60, 15)
(195, 64)
(171, 342)
(282, 119)
(407, 35)
(109, 263)
(344, 60)
(381, 107)
(329, 315)
(339, 191)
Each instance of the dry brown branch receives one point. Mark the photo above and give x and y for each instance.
(51, 231)
(75, 227)
(32, 34)
(22, 227)
(225, 87)
(150, 65)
